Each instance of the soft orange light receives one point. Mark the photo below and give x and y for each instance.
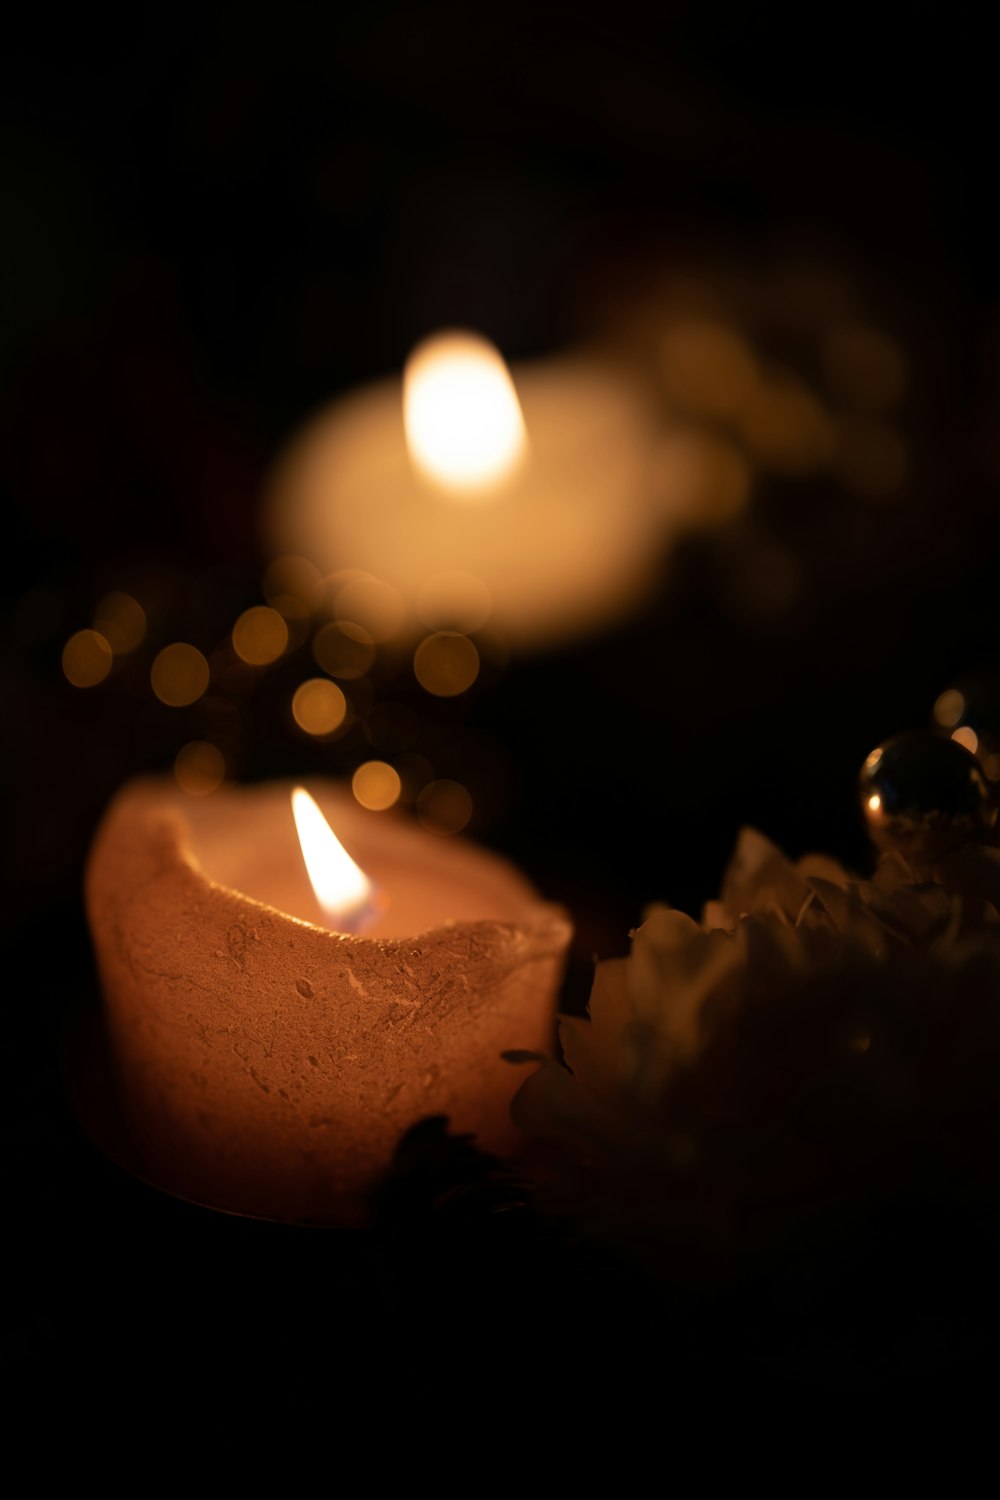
(464, 426)
(949, 707)
(260, 635)
(180, 675)
(874, 802)
(319, 706)
(86, 658)
(967, 736)
(376, 785)
(343, 890)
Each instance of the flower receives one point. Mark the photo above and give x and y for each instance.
(797, 1078)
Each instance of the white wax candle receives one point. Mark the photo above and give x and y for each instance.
(267, 1064)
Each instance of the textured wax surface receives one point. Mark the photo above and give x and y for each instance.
(269, 1066)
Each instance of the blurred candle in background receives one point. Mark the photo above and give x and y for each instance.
(524, 499)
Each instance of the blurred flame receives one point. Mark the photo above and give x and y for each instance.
(464, 426)
(342, 889)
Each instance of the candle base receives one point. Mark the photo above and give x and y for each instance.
(89, 1082)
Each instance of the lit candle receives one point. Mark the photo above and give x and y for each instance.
(535, 489)
(267, 1063)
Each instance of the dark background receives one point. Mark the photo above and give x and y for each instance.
(216, 219)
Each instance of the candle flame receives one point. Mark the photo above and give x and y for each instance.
(342, 889)
(464, 426)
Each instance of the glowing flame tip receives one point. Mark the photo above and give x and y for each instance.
(464, 426)
(342, 889)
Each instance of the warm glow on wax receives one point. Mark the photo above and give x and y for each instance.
(464, 426)
(342, 889)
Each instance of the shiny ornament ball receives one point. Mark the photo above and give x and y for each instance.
(923, 795)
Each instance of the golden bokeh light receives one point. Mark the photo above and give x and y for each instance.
(444, 807)
(343, 649)
(991, 765)
(122, 622)
(376, 785)
(708, 368)
(179, 675)
(967, 736)
(949, 707)
(462, 416)
(864, 367)
(86, 658)
(874, 802)
(446, 664)
(199, 768)
(319, 706)
(454, 601)
(260, 635)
